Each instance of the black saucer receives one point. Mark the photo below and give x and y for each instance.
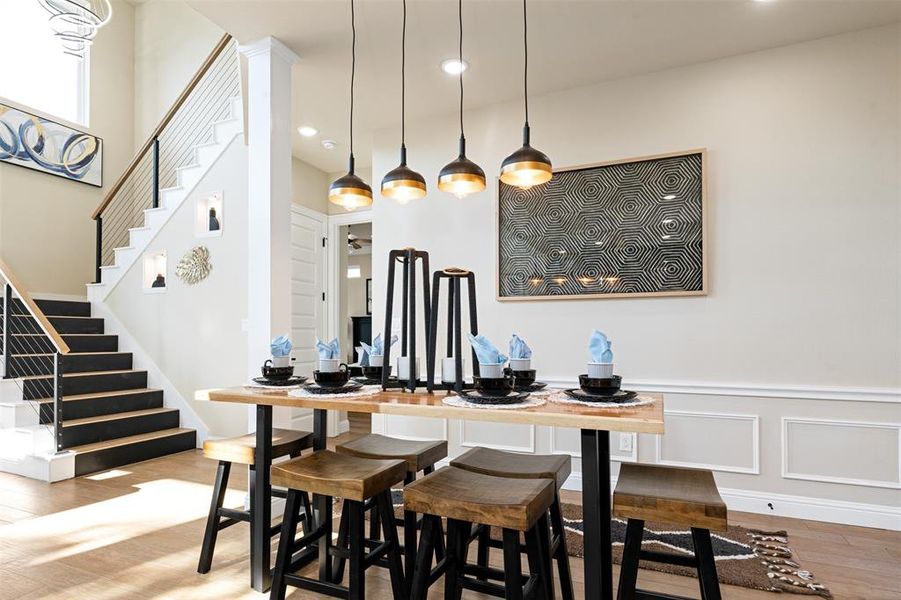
(477, 397)
(535, 386)
(280, 382)
(347, 388)
(617, 396)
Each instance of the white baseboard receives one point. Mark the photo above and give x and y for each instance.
(797, 507)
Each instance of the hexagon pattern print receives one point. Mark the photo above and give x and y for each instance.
(626, 228)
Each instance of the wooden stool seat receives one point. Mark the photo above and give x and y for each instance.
(485, 499)
(417, 454)
(331, 474)
(669, 494)
(241, 449)
(517, 466)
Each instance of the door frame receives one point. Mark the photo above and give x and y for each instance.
(333, 247)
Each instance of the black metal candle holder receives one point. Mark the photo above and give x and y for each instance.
(454, 325)
(407, 257)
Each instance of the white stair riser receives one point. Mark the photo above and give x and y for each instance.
(18, 414)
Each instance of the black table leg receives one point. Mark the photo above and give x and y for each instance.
(260, 538)
(596, 515)
(323, 504)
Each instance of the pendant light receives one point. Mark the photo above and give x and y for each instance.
(402, 183)
(461, 176)
(349, 191)
(527, 166)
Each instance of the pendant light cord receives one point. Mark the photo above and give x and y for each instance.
(460, 21)
(403, 78)
(353, 69)
(525, 75)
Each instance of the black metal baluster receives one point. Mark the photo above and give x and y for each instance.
(58, 400)
(155, 174)
(98, 258)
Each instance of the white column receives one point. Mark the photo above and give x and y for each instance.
(269, 129)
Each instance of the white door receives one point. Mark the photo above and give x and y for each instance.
(308, 319)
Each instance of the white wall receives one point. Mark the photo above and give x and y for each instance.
(309, 186)
(805, 269)
(171, 42)
(46, 231)
(193, 333)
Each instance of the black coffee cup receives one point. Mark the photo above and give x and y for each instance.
(494, 386)
(600, 386)
(330, 379)
(276, 373)
(374, 372)
(523, 378)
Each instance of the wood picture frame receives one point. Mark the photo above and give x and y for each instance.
(702, 287)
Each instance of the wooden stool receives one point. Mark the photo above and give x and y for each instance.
(356, 480)
(419, 456)
(671, 495)
(524, 466)
(464, 497)
(285, 442)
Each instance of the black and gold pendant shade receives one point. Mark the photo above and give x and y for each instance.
(349, 191)
(461, 177)
(402, 184)
(527, 166)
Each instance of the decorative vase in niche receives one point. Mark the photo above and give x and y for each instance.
(159, 282)
(214, 220)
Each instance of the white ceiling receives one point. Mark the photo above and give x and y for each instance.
(572, 43)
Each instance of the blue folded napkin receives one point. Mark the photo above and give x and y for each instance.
(330, 350)
(281, 346)
(376, 349)
(519, 348)
(485, 351)
(364, 355)
(599, 348)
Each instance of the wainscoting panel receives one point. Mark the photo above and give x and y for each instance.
(849, 452)
(718, 441)
(480, 434)
(564, 440)
(413, 428)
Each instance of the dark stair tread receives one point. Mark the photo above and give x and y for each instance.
(85, 374)
(119, 415)
(96, 395)
(125, 441)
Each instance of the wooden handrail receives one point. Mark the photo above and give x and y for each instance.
(36, 312)
(223, 43)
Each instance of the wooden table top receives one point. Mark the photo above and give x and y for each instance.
(647, 418)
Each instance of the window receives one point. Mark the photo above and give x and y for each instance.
(34, 70)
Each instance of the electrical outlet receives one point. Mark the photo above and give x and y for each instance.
(625, 442)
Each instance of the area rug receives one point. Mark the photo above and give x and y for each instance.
(749, 558)
(760, 560)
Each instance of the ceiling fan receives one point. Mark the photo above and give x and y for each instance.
(356, 242)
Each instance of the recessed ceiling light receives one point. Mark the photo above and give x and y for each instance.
(453, 66)
(329, 144)
(307, 131)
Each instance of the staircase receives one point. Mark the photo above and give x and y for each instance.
(109, 416)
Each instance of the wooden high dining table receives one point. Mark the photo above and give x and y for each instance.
(595, 425)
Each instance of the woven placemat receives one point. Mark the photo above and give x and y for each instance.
(529, 402)
(366, 390)
(561, 398)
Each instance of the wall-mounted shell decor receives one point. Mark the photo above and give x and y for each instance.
(194, 266)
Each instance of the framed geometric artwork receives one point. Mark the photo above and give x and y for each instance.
(622, 229)
(38, 143)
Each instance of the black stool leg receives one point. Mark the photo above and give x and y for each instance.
(561, 556)
(420, 575)
(212, 521)
(628, 572)
(410, 526)
(285, 542)
(457, 533)
(512, 568)
(710, 586)
(356, 525)
(544, 538)
(342, 542)
(375, 525)
(399, 586)
(483, 549)
(539, 559)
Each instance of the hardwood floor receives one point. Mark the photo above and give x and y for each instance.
(135, 533)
